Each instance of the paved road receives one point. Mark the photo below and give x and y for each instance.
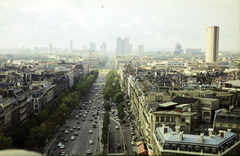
(80, 144)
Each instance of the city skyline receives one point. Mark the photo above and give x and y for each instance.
(153, 24)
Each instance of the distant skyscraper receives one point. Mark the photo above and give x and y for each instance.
(212, 44)
(50, 48)
(85, 47)
(71, 46)
(92, 46)
(126, 46)
(140, 49)
(122, 47)
(178, 47)
(118, 46)
(103, 48)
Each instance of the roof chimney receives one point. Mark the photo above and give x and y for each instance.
(210, 130)
(201, 137)
(181, 136)
(222, 133)
(229, 130)
(177, 129)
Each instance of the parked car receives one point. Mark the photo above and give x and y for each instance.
(78, 128)
(90, 131)
(76, 134)
(132, 143)
(65, 140)
(90, 142)
(88, 152)
(118, 146)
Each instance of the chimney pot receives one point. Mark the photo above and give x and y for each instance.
(181, 136)
(201, 135)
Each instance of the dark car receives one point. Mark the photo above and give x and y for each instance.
(118, 146)
(57, 142)
(62, 138)
(68, 126)
(63, 130)
(83, 119)
(65, 140)
(96, 121)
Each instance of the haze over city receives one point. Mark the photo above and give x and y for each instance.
(157, 24)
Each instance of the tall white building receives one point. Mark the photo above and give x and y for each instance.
(212, 44)
(103, 48)
(50, 48)
(122, 46)
(71, 46)
(92, 46)
(140, 49)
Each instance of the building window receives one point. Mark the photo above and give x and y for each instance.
(182, 128)
(162, 119)
(229, 125)
(222, 117)
(167, 119)
(173, 119)
(157, 118)
(221, 126)
(183, 119)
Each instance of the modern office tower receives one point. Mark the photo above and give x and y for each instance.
(71, 46)
(103, 48)
(50, 48)
(178, 47)
(118, 46)
(140, 49)
(126, 46)
(92, 46)
(122, 47)
(212, 44)
(85, 47)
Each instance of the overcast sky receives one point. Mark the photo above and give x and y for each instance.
(153, 23)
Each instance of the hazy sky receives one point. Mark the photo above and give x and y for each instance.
(153, 23)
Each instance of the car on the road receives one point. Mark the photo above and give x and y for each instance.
(80, 111)
(88, 152)
(118, 146)
(71, 130)
(93, 107)
(86, 112)
(63, 153)
(65, 140)
(59, 144)
(127, 124)
(80, 114)
(103, 109)
(95, 117)
(83, 119)
(90, 142)
(78, 122)
(84, 115)
(132, 133)
(57, 141)
(92, 112)
(66, 131)
(98, 102)
(72, 137)
(78, 128)
(62, 147)
(63, 130)
(90, 131)
(91, 119)
(96, 121)
(61, 150)
(74, 127)
(103, 112)
(93, 100)
(132, 143)
(76, 134)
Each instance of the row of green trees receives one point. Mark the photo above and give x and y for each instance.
(41, 128)
(105, 128)
(108, 91)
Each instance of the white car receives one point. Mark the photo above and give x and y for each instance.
(90, 142)
(132, 143)
(88, 152)
(66, 131)
(116, 127)
(90, 131)
(62, 147)
(103, 112)
(59, 144)
(72, 138)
